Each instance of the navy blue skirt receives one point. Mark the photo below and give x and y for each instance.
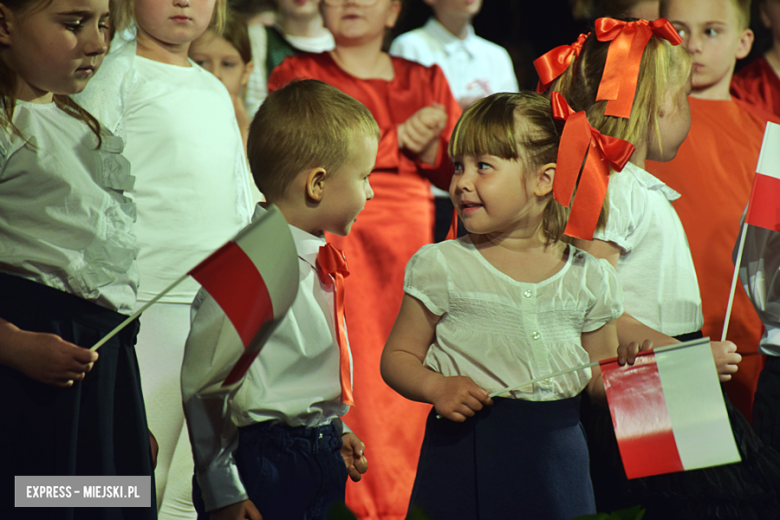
(516, 459)
(95, 427)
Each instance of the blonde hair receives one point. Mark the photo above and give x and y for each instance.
(741, 6)
(123, 15)
(9, 81)
(516, 127)
(664, 70)
(306, 124)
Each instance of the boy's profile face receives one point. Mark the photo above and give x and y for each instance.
(712, 33)
(347, 190)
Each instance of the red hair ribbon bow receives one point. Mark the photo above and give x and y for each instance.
(578, 140)
(624, 57)
(551, 65)
(331, 262)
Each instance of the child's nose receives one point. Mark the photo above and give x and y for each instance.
(96, 42)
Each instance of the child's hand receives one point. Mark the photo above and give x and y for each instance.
(352, 451)
(420, 133)
(627, 353)
(48, 358)
(238, 511)
(726, 359)
(458, 397)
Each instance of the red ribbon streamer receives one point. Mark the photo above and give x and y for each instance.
(581, 142)
(551, 65)
(332, 262)
(624, 57)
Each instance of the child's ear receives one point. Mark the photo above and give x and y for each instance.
(248, 68)
(545, 180)
(392, 13)
(6, 18)
(315, 184)
(745, 43)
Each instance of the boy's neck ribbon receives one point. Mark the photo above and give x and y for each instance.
(551, 65)
(579, 140)
(331, 262)
(624, 57)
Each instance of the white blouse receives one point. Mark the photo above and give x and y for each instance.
(655, 267)
(64, 219)
(501, 332)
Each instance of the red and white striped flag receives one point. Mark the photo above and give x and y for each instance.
(764, 205)
(254, 279)
(668, 411)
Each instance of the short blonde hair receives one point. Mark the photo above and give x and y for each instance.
(123, 15)
(741, 6)
(517, 127)
(664, 70)
(306, 124)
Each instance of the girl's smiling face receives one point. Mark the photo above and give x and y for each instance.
(353, 22)
(54, 50)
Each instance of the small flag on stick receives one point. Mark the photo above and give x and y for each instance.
(254, 279)
(764, 206)
(668, 411)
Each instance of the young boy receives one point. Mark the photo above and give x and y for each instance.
(714, 169)
(474, 67)
(273, 442)
(759, 82)
(298, 29)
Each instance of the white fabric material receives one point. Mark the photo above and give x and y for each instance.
(474, 67)
(655, 266)
(192, 186)
(295, 379)
(501, 332)
(759, 272)
(257, 87)
(64, 219)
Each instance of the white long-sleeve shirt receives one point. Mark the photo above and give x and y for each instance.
(295, 380)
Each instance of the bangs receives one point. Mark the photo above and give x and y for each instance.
(487, 127)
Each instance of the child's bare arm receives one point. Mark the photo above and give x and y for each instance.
(630, 330)
(44, 357)
(455, 398)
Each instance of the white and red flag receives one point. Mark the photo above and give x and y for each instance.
(668, 411)
(254, 280)
(764, 205)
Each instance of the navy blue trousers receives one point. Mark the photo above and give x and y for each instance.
(95, 427)
(516, 459)
(288, 473)
(766, 405)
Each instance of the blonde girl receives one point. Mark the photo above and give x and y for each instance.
(192, 192)
(67, 262)
(645, 241)
(506, 303)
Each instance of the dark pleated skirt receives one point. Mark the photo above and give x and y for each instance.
(95, 427)
(516, 459)
(749, 490)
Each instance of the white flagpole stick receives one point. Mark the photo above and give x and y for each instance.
(138, 313)
(734, 281)
(542, 378)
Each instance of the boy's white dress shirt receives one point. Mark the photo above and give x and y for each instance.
(294, 380)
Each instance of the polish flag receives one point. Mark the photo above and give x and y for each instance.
(254, 280)
(764, 205)
(668, 411)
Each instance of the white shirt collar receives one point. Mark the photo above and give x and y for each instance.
(307, 245)
(450, 42)
(651, 182)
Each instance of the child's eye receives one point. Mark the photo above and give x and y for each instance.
(681, 31)
(73, 26)
(711, 32)
(458, 166)
(483, 166)
(229, 64)
(200, 63)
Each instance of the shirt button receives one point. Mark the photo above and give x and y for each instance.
(527, 293)
(536, 335)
